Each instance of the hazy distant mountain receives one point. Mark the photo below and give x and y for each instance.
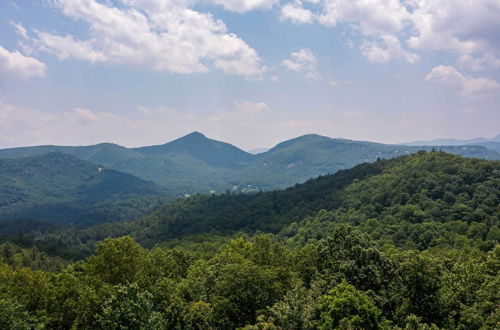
(198, 146)
(492, 145)
(61, 188)
(308, 156)
(452, 142)
(197, 164)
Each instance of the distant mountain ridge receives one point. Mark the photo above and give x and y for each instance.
(197, 164)
(453, 142)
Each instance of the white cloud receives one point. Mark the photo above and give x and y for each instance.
(338, 83)
(296, 13)
(64, 47)
(313, 75)
(468, 29)
(242, 6)
(478, 63)
(355, 114)
(20, 30)
(380, 21)
(386, 49)
(17, 66)
(376, 17)
(251, 107)
(291, 65)
(466, 86)
(87, 115)
(372, 18)
(460, 26)
(160, 35)
(303, 61)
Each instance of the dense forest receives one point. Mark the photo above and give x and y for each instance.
(342, 281)
(62, 189)
(408, 243)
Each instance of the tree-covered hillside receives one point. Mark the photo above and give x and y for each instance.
(60, 188)
(442, 197)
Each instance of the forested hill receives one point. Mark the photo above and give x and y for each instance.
(60, 188)
(397, 199)
(426, 187)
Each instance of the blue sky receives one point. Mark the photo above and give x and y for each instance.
(249, 72)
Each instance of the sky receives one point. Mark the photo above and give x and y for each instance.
(249, 72)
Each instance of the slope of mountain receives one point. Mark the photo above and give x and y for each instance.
(196, 164)
(198, 146)
(423, 187)
(413, 198)
(103, 153)
(60, 188)
(178, 173)
(308, 156)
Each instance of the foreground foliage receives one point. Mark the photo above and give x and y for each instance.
(343, 281)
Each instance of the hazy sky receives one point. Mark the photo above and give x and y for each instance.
(249, 72)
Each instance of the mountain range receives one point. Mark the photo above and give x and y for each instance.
(493, 143)
(104, 182)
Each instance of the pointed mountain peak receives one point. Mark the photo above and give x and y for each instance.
(194, 134)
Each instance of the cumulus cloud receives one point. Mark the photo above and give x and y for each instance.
(242, 6)
(461, 27)
(479, 63)
(373, 18)
(378, 17)
(466, 86)
(161, 35)
(468, 29)
(252, 107)
(386, 49)
(17, 66)
(303, 61)
(296, 13)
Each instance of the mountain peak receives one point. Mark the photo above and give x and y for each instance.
(194, 134)
(200, 147)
